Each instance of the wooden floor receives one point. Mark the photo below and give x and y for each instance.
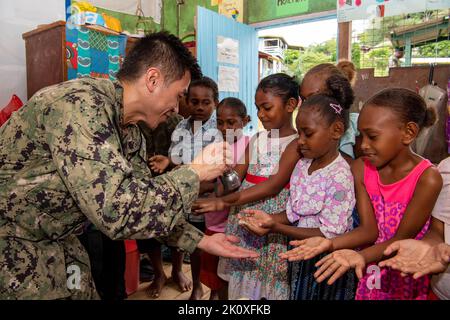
(171, 290)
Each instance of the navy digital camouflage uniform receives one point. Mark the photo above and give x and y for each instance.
(65, 158)
(158, 142)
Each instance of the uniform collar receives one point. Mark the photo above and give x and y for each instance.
(130, 135)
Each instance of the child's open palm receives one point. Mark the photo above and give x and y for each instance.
(337, 264)
(256, 221)
(159, 163)
(307, 248)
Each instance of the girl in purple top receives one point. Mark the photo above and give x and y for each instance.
(322, 194)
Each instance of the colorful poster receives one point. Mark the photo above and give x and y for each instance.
(232, 8)
(93, 53)
(288, 7)
(348, 10)
(228, 79)
(227, 50)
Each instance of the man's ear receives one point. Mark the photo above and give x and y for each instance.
(410, 132)
(153, 78)
(338, 130)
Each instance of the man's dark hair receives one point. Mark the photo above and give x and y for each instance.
(205, 82)
(161, 50)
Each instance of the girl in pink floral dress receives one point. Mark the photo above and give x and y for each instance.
(269, 160)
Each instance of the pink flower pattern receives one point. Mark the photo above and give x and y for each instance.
(390, 203)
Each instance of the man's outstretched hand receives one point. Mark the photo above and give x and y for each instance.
(223, 245)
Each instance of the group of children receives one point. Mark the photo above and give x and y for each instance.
(318, 183)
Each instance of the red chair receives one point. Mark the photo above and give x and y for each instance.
(131, 266)
(14, 104)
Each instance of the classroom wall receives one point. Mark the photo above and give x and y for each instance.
(409, 77)
(16, 18)
(255, 11)
(268, 10)
(187, 14)
(129, 22)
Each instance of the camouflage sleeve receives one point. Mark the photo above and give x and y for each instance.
(122, 201)
(184, 236)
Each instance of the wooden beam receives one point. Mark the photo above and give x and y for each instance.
(408, 52)
(345, 40)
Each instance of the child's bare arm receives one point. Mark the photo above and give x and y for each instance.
(416, 215)
(206, 186)
(264, 219)
(435, 234)
(261, 223)
(367, 232)
(296, 232)
(242, 166)
(271, 187)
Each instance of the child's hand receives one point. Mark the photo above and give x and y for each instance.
(159, 163)
(338, 263)
(259, 218)
(251, 225)
(202, 206)
(256, 221)
(307, 248)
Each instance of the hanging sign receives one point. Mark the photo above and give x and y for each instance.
(291, 7)
(348, 10)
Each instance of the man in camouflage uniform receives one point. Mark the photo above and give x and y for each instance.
(74, 152)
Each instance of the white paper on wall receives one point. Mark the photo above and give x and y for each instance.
(227, 50)
(228, 79)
